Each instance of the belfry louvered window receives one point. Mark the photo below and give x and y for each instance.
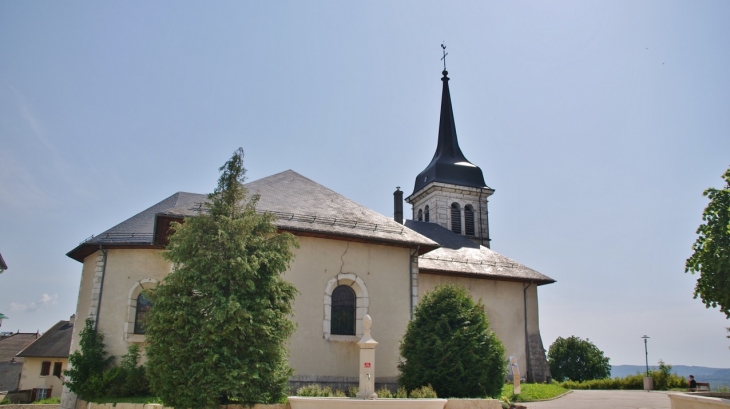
(455, 218)
(420, 215)
(343, 311)
(143, 307)
(469, 220)
(427, 215)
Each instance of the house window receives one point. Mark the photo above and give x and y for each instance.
(143, 307)
(40, 393)
(455, 218)
(426, 214)
(45, 368)
(57, 369)
(343, 311)
(420, 215)
(469, 220)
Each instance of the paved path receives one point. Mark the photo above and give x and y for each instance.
(606, 400)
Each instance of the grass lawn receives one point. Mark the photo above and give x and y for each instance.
(531, 392)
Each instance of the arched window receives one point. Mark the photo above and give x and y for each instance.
(427, 215)
(420, 215)
(343, 311)
(143, 308)
(455, 218)
(469, 220)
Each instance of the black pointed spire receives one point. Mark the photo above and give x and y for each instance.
(449, 164)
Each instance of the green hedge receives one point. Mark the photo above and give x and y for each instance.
(663, 380)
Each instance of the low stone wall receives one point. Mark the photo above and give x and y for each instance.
(450, 404)
(29, 406)
(695, 400)
(156, 406)
(473, 404)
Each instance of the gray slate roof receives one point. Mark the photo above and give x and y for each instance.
(461, 256)
(55, 343)
(10, 346)
(299, 203)
(10, 375)
(138, 229)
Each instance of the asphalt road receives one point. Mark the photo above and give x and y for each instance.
(606, 400)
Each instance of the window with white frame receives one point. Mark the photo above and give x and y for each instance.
(346, 302)
(138, 305)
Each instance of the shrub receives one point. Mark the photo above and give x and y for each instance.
(401, 393)
(49, 401)
(352, 391)
(663, 380)
(424, 392)
(87, 365)
(449, 345)
(128, 379)
(577, 360)
(384, 393)
(314, 390)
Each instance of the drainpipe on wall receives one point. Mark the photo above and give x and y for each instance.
(410, 277)
(101, 287)
(528, 375)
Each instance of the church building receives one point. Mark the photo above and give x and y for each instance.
(351, 261)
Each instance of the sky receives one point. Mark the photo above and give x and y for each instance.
(599, 125)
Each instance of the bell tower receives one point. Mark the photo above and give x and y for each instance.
(451, 190)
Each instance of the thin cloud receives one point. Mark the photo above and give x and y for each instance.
(45, 301)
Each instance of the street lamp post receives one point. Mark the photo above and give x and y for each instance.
(646, 351)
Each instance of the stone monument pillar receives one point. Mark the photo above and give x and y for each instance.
(367, 362)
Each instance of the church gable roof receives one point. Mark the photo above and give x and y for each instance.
(300, 204)
(461, 256)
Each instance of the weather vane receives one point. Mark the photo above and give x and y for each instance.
(445, 54)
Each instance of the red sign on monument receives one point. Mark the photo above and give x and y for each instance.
(367, 364)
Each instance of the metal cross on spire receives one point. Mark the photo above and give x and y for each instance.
(445, 54)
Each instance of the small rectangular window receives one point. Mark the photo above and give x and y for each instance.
(41, 393)
(45, 368)
(57, 369)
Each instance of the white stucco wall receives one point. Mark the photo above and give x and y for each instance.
(31, 375)
(125, 269)
(504, 304)
(384, 270)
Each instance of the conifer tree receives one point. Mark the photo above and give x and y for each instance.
(449, 346)
(219, 323)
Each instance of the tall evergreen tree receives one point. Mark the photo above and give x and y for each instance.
(220, 320)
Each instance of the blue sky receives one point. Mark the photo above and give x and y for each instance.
(599, 124)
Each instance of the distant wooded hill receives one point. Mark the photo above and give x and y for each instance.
(715, 376)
